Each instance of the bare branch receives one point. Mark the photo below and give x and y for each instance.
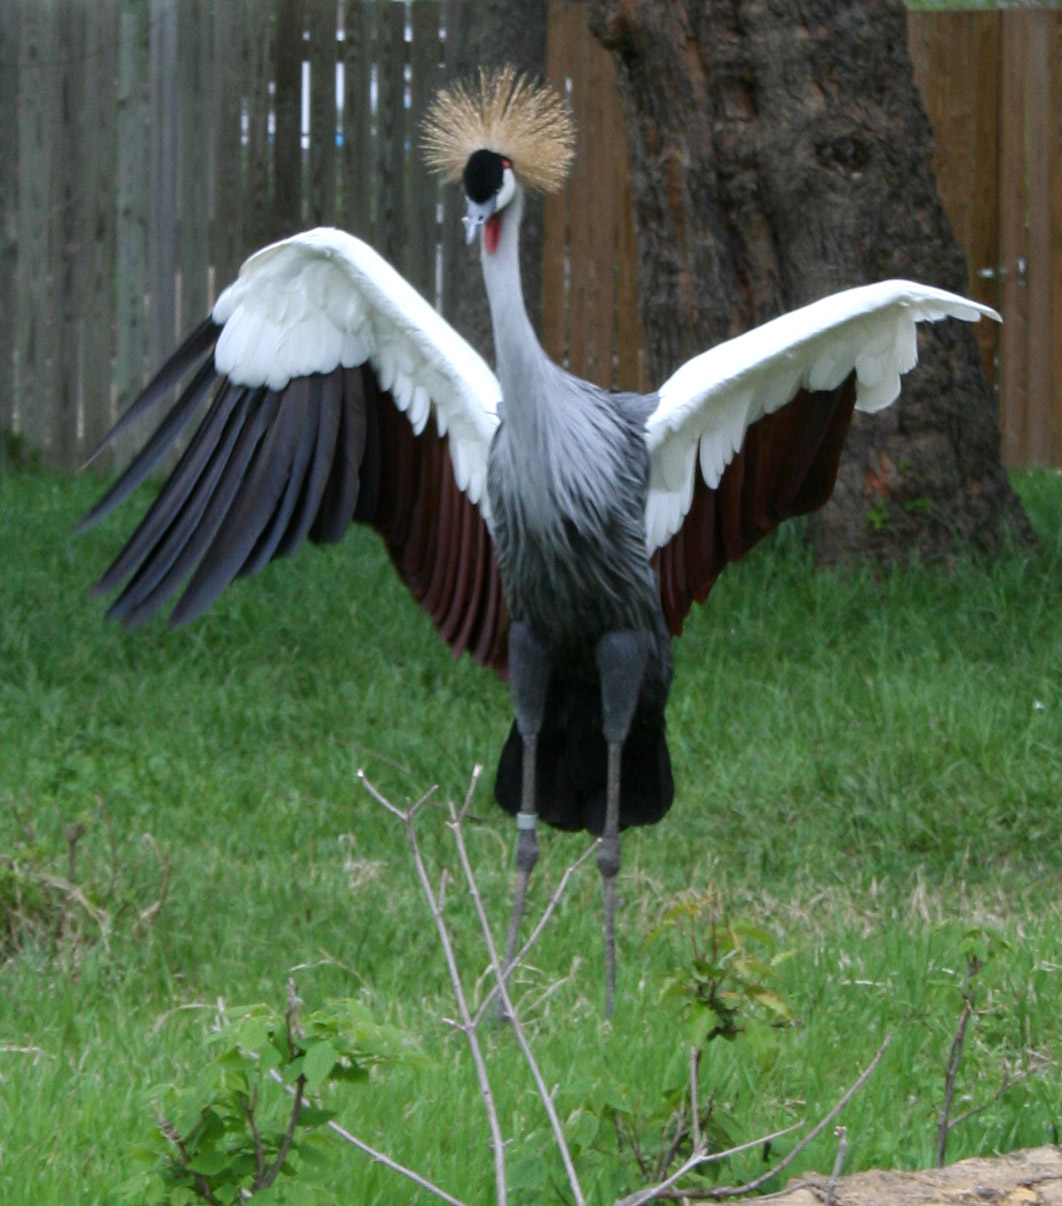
(664, 1158)
(467, 1025)
(202, 1185)
(749, 1186)
(838, 1163)
(381, 800)
(375, 1156)
(655, 1192)
(536, 933)
(1008, 1083)
(521, 1037)
(259, 1151)
(289, 1135)
(954, 1059)
(477, 770)
(695, 1109)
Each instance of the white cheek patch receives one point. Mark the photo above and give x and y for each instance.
(508, 188)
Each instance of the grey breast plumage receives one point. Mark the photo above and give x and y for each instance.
(568, 509)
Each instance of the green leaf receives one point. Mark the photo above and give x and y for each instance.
(315, 1116)
(320, 1059)
(210, 1161)
(773, 1002)
(701, 1021)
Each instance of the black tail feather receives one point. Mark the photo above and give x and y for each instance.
(572, 765)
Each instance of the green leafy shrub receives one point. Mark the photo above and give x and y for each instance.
(251, 1121)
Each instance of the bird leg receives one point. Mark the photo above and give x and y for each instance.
(529, 672)
(621, 660)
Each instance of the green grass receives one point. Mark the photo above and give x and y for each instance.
(867, 765)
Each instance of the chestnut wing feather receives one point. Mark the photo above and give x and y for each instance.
(267, 469)
(787, 466)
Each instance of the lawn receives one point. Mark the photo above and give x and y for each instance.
(869, 769)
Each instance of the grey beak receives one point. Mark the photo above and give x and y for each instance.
(478, 213)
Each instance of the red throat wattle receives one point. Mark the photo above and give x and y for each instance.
(492, 233)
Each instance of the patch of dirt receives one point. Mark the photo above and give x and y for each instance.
(1026, 1178)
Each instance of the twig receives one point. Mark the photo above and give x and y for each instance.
(749, 1186)
(838, 1163)
(1005, 1087)
(467, 1025)
(73, 834)
(375, 1156)
(973, 966)
(202, 1185)
(259, 1150)
(664, 1158)
(954, 1059)
(289, 1135)
(695, 1109)
(655, 1192)
(500, 975)
(536, 933)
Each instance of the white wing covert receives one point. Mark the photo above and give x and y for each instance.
(324, 299)
(302, 369)
(707, 406)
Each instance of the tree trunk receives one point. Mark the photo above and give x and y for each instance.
(780, 152)
(490, 33)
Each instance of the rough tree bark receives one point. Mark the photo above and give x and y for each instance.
(490, 33)
(780, 152)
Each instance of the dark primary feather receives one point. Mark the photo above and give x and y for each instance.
(264, 470)
(155, 449)
(197, 517)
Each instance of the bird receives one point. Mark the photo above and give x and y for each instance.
(556, 531)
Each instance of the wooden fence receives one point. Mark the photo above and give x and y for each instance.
(992, 85)
(146, 146)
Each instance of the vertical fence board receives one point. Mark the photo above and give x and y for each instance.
(1054, 153)
(195, 85)
(606, 131)
(321, 184)
(454, 260)
(162, 185)
(69, 262)
(580, 216)
(39, 104)
(422, 189)
(390, 234)
(257, 192)
(982, 173)
(590, 316)
(356, 185)
(10, 20)
(131, 234)
(101, 212)
(226, 167)
(1039, 435)
(555, 206)
(287, 147)
(956, 64)
(1012, 196)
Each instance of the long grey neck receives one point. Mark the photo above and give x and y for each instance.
(521, 362)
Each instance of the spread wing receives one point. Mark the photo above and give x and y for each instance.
(330, 392)
(750, 433)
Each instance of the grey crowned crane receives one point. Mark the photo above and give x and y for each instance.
(549, 527)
